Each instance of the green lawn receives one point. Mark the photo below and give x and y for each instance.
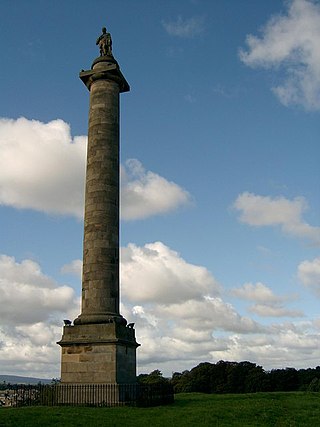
(192, 409)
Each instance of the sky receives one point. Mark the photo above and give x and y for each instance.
(220, 203)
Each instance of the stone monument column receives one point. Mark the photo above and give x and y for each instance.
(100, 281)
(100, 347)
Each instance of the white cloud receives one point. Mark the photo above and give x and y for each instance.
(180, 316)
(210, 313)
(74, 268)
(291, 42)
(144, 193)
(262, 211)
(32, 307)
(267, 304)
(265, 310)
(156, 274)
(256, 292)
(279, 349)
(30, 350)
(316, 324)
(43, 168)
(309, 274)
(28, 296)
(176, 308)
(185, 334)
(185, 28)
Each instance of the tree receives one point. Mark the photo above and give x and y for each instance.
(182, 382)
(155, 377)
(284, 379)
(314, 385)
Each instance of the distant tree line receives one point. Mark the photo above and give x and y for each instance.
(237, 377)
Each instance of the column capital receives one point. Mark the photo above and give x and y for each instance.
(105, 68)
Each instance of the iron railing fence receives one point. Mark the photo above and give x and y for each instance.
(87, 395)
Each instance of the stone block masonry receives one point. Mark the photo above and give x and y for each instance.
(98, 354)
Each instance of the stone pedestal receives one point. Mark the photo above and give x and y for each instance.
(98, 354)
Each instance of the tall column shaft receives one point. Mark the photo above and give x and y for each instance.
(100, 281)
(100, 277)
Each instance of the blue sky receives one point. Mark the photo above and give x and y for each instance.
(220, 229)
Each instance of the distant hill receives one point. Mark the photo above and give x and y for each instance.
(15, 379)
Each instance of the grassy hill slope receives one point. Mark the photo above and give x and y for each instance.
(245, 410)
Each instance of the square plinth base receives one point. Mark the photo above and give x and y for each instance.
(98, 354)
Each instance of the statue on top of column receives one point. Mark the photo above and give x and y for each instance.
(105, 43)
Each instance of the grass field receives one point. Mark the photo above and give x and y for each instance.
(192, 409)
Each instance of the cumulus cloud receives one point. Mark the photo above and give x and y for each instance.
(267, 304)
(284, 346)
(316, 324)
(256, 292)
(210, 313)
(43, 168)
(185, 28)
(180, 315)
(28, 295)
(260, 211)
(74, 268)
(161, 276)
(186, 333)
(30, 350)
(265, 310)
(177, 308)
(309, 274)
(32, 306)
(144, 193)
(291, 42)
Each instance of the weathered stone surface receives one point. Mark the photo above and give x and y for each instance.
(100, 348)
(101, 230)
(106, 351)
